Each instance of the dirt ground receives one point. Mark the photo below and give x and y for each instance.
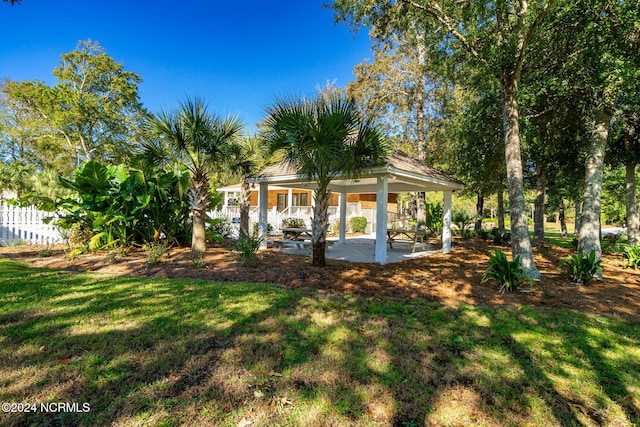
(451, 279)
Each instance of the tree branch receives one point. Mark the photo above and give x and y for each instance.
(529, 35)
(436, 11)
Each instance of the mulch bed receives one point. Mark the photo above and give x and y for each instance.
(451, 279)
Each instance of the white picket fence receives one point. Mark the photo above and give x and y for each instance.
(25, 225)
(20, 225)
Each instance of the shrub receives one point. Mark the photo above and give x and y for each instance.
(632, 254)
(462, 220)
(293, 223)
(581, 268)
(44, 253)
(611, 243)
(507, 273)
(79, 235)
(483, 234)
(433, 223)
(155, 252)
(248, 247)
(218, 228)
(255, 230)
(358, 224)
(500, 239)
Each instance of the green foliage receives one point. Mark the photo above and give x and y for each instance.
(116, 205)
(91, 112)
(248, 247)
(434, 215)
(256, 226)
(358, 224)
(155, 252)
(507, 273)
(197, 261)
(218, 229)
(293, 223)
(611, 243)
(581, 268)
(322, 138)
(632, 254)
(194, 138)
(462, 220)
(44, 253)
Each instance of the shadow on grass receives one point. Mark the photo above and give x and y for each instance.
(188, 351)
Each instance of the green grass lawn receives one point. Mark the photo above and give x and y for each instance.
(188, 352)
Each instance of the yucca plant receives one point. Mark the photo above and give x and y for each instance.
(582, 268)
(506, 273)
(632, 254)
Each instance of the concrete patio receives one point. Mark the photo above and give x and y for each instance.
(362, 249)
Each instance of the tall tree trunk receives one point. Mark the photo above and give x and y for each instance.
(520, 243)
(576, 228)
(245, 203)
(500, 211)
(633, 234)
(479, 211)
(562, 219)
(411, 209)
(538, 215)
(319, 227)
(198, 197)
(590, 220)
(421, 136)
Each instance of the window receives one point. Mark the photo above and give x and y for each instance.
(300, 199)
(282, 202)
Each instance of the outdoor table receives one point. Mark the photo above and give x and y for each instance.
(296, 234)
(414, 237)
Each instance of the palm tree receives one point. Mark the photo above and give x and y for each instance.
(246, 157)
(198, 139)
(323, 138)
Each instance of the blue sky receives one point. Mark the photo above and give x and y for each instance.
(237, 55)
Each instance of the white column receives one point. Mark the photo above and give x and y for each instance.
(263, 197)
(446, 223)
(226, 199)
(382, 190)
(342, 202)
(290, 200)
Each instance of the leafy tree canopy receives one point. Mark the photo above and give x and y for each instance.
(92, 112)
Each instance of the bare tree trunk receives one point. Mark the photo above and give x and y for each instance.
(520, 243)
(319, 228)
(590, 220)
(500, 211)
(538, 216)
(479, 211)
(411, 209)
(633, 235)
(245, 202)
(576, 228)
(421, 136)
(561, 218)
(198, 197)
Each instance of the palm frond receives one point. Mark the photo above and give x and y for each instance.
(323, 137)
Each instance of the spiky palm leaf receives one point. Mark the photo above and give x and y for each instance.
(323, 137)
(196, 138)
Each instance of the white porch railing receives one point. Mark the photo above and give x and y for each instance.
(20, 225)
(274, 218)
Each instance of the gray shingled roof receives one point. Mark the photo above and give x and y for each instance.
(397, 160)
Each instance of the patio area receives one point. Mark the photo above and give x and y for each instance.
(362, 248)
